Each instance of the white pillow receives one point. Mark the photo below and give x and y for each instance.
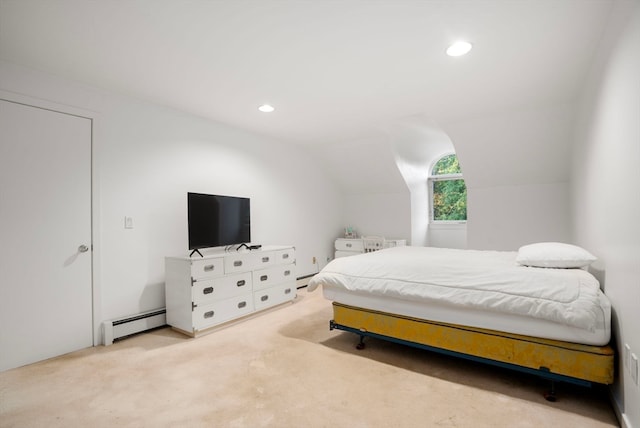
(554, 255)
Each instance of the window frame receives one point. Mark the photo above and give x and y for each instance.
(442, 177)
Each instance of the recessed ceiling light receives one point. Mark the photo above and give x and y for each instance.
(459, 48)
(266, 108)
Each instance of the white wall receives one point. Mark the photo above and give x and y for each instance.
(448, 235)
(606, 187)
(517, 167)
(379, 214)
(506, 217)
(376, 198)
(147, 157)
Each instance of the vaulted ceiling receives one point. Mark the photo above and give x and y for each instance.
(334, 70)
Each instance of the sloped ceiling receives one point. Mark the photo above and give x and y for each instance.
(335, 70)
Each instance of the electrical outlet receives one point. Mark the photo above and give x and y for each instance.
(634, 368)
(626, 355)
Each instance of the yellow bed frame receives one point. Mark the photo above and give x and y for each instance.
(551, 359)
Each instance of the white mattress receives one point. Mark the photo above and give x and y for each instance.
(390, 281)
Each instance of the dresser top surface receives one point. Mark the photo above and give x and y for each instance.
(221, 253)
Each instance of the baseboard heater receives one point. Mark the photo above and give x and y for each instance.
(123, 327)
(303, 281)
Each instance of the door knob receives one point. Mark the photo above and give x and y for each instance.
(83, 248)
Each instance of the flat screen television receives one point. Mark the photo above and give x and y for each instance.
(216, 220)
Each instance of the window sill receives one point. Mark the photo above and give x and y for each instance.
(448, 225)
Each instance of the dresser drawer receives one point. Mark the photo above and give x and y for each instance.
(262, 260)
(274, 295)
(272, 276)
(243, 262)
(206, 268)
(239, 262)
(206, 316)
(349, 245)
(284, 257)
(207, 290)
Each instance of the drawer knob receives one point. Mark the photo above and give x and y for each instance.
(237, 263)
(287, 291)
(208, 290)
(264, 277)
(264, 298)
(241, 283)
(242, 305)
(208, 314)
(265, 260)
(348, 245)
(287, 272)
(285, 256)
(209, 268)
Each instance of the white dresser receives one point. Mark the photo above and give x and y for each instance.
(351, 246)
(202, 293)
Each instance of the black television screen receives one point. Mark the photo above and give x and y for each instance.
(216, 220)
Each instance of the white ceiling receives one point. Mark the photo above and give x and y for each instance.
(336, 70)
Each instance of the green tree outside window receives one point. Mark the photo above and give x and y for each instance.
(449, 192)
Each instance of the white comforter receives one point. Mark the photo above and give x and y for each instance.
(490, 280)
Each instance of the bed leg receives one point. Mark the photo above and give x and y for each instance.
(550, 395)
(360, 344)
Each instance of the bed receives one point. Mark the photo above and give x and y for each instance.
(535, 310)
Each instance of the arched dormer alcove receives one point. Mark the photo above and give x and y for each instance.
(417, 144)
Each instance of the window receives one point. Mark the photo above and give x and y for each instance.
(448, 191)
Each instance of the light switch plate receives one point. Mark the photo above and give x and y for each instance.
(128, 223)
(634, 368)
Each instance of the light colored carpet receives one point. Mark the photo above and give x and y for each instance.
(284, 369)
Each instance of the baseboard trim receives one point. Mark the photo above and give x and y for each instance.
(303, 281)
(620, 415)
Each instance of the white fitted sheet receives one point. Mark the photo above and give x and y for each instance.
(383, 276)
(507, 323)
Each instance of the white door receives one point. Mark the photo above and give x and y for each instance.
(45, 220)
